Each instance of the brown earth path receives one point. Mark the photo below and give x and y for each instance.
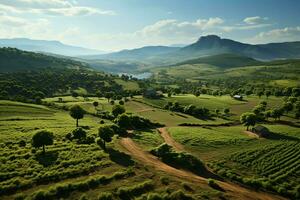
(251, 134)
(169, 140)
(233, 190)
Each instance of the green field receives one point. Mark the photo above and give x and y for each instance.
(81, 170)
(217, 102)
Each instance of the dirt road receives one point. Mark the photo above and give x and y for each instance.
(233, 190)
(169, 140)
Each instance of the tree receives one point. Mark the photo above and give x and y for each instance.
(197, 93)
(124, 121)
(74, 94)
(121, 102)
(260, 93)
(109, 95)
(105, 133)
(42, 138)
(78, 133)
(226, 111)
(248, 119)
(117, 110)
(95, 104)
(77, 113)
(276, 113)
(287, 107)
(268, 93)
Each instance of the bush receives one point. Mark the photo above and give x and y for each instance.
(22, 143)
(179, 195)
(78, 133)
(128, 192)
(178, 159)
(105, 196)
(164, 180)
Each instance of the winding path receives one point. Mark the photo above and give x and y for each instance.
(235, 191)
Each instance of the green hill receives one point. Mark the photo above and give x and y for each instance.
(12, 60)
(223, 60)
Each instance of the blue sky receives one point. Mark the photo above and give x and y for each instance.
(118, 24)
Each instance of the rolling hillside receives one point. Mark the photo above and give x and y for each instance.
(223, 60)
(12, 60)
(54, 47)
(209, 45)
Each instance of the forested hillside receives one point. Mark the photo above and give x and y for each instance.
(12, 60)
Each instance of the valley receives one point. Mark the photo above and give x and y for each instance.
(107, 100)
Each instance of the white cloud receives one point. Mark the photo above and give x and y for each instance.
(278, 35)
(51, 7)
(255, 20)
(11, 21)
(173, 28)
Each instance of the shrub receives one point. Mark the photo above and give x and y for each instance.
(105, 196)
(128, 192)
(178, 159)
(78, 133)
(164, 180)
(22, 143)
(179, 195)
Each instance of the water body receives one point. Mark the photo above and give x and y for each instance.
(144, 75)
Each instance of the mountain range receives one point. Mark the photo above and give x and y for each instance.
(13, 60)
(47, 46)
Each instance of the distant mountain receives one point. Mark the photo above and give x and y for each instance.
(12, 60)
(144, 53)
(214, 45)
(54, 47)
(206, 46)
(223, 61)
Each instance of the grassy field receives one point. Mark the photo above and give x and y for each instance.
(271, 164)
(82, 171)
(217, 102)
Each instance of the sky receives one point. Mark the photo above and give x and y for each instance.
(112, 25)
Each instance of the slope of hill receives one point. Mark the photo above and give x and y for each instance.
(145, 53)
(54, 47)
(12, 60)
(223, 60)
(206, 46)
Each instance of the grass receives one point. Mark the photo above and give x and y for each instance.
(217, 102)
(147, 139)
(128, 85)
(66, 164)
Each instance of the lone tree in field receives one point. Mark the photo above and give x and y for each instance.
(42, 138)
(117, 110)
(105, 133)
(248, 119)
(77, 113)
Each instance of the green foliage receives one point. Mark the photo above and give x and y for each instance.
(105, 196)
(105, 133)
(117, 110)
(248, 119)
(42, 138)
(126, 193)
(77, 113)
(134, 122)
(178, 159)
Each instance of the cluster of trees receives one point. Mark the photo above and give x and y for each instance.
(179, 159)
(32, 86)
(189, 109)
(261, 113)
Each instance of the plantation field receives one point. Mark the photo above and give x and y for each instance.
(71, 170)
(217, 102)
(272, 163)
